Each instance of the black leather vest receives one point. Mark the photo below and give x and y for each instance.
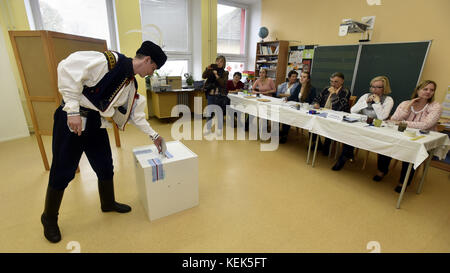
(119, 75)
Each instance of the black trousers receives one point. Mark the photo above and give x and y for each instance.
(220, 101)
(284, 130)
(326, 143)
(347, 151)
(383, 166)
(67, 148)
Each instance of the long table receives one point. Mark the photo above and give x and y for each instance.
(382, 140)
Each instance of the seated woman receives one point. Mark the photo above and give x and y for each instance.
(264, 85)
(304, 92)
(285, 89)
(334, 97)
(235, 85)
(376, 104)
(421, 113)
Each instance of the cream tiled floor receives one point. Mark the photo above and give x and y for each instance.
(250, 201)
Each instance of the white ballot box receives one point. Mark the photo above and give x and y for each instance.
(167, 184)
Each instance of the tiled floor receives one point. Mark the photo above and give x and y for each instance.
(250, 201)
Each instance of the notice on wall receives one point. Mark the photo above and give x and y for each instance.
(343, 29)
(446, 105)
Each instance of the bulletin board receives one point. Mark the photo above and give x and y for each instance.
(37, 56)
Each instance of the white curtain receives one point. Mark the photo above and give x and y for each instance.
(167, 21)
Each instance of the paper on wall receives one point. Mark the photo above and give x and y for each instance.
(343, 30)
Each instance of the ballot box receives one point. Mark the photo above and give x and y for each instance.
(166, 184)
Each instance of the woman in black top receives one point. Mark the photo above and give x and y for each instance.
(304, 92)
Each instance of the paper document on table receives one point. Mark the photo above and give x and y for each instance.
(416, 138)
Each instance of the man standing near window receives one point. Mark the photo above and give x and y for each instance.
(95, 85)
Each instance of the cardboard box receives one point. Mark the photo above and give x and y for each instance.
(166, 185)
(174, 81)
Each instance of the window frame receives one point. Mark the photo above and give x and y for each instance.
(36, 23)
(238, 57)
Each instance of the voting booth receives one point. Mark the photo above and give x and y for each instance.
(166, 184)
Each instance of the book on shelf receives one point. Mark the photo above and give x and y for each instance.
(269, 49)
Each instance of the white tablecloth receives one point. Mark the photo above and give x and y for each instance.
(383, 140)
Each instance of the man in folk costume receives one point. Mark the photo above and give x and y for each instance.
(95, 85)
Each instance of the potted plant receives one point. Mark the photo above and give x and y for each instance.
(189, 79)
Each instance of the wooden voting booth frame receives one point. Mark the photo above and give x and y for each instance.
(37, 56)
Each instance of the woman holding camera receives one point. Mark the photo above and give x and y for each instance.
(421, 112)
(376, 104)
(216, 89)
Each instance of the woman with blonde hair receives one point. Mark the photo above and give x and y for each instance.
(376, 104)
(421, 112)
(215, 89)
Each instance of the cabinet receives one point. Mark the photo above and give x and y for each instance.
(273, 56)
(160, 104)
(37, 56)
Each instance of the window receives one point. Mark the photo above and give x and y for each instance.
(168, 24)
(174, 68)
(94, 18)
(231, 26)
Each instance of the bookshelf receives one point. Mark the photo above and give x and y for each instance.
(273, 56)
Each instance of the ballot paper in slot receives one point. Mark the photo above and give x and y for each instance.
(166, 183)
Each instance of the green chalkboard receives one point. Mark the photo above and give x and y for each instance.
(330, 59)
(401, 62)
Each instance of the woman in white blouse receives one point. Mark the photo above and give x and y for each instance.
(376, 104)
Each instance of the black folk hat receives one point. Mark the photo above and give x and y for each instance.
(155, 52)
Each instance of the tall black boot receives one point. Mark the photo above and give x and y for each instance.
(49, 218)
(107, 200)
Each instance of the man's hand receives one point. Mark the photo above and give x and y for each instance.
(74, 123)
(157, 143)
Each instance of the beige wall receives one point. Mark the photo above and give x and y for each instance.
(13, 17)
(317, 22)
(129, 19)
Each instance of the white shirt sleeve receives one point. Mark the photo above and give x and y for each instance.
(137, 116)
(360, 104)
(82, 68)
(383, 110)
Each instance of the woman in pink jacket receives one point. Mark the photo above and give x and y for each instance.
(264, 85)
(421, 112)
